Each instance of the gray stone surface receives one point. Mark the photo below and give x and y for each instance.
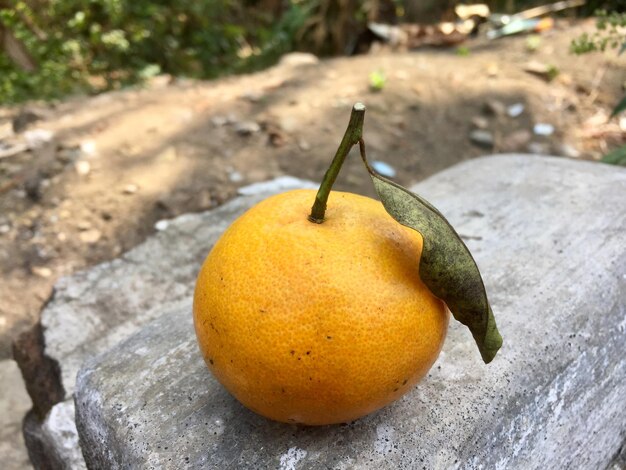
(550, 238)
(59, 428)
(93, 310)
(14, 403)
(53, 442)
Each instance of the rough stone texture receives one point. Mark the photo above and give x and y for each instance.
(93, 310)
(14, 403)
(550, 238)
(53, 443)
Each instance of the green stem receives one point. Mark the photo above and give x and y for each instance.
(353, 135)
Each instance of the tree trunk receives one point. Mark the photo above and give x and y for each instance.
(16, 51)
(427, 11)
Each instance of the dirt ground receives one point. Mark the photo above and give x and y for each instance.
(119, 162)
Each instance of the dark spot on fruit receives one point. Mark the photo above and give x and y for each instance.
(211, 361)
(329, 337)
(395, 389)
(308, 352)
(292, 352)
(299, 358)
(405, 381)
(261, 310)
(282, 390)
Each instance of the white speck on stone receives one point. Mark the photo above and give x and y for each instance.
(141, 351)
(384, 438)
(161, 225)
(215, 427)
(290, 459)
(345, 464)
(60, 429)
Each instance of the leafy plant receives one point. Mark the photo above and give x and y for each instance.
(463, 51)
(609, 34)
(377, 80)
(94, 45)
(616, 157)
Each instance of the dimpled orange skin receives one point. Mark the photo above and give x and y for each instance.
(317, 323)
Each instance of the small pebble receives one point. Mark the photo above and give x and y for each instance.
(41, 271)
(384, 169)
(161, 225)
(235, 177)
(543, 129)
(247, 128)
(482, 138)
(90, 236)
(82, 167)
(480, 122)
(130, 189)
(88, 148)
(515, 110)
(84, 225)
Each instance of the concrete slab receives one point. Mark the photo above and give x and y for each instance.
(550, 238)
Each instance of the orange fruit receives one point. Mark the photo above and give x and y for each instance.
(317, 323)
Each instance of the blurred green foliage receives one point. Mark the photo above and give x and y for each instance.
(609, 34)
(92, 45)
(616, 157)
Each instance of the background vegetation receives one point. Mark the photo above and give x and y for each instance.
(92, 45)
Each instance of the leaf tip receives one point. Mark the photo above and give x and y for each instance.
(491, 342)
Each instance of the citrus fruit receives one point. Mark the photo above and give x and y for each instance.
(317, 323)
